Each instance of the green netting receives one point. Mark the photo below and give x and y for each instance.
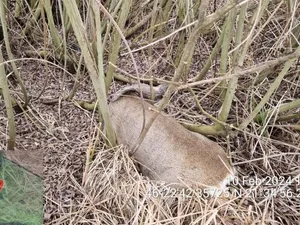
(21, 198)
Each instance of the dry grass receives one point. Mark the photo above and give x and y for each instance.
(114, 192)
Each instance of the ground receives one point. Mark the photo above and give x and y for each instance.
(53, 138)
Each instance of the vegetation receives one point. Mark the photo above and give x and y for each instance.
(235, 63)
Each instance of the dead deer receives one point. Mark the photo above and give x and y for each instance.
(169, 152)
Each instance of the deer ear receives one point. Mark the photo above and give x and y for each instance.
(143, 89)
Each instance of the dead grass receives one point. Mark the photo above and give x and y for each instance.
(113, 191)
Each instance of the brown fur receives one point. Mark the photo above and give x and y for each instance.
(169, 151)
